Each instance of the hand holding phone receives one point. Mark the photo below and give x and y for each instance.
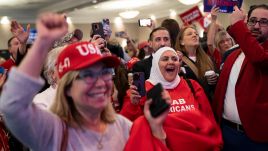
(98, 42)
(97, 29)
(159, 104)
(139, 82)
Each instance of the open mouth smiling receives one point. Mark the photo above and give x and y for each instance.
(97, 94)
(170, 69)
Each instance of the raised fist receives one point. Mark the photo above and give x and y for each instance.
(51, 27)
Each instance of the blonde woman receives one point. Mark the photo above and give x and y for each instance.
(218, 40)
(82, 115)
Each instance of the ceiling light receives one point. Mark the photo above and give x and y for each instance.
(5, 20)
(125, 4)
(189, 2)
(9, 2)
(172, 14)
(118, 21)
(119, 25)
(129, 14)
(153, 17)
(68, 20)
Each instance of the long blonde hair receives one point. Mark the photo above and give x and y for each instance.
(65, 108)
(203, 62)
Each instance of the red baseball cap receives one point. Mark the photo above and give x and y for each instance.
(143, 44)
(81, 55)
(131, 62)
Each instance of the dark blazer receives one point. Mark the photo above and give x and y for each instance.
(144, 66)
(251, 89)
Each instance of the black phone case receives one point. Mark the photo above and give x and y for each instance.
(97, 29)
(159, 104)
(139, 82)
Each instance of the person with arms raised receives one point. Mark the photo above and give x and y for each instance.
(82, 116)
(241, 96)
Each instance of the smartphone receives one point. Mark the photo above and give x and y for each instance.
(139, 82)
(106, 27)
(105, 22)
(97, 29)
(145, 22)
(119, 34)
(159, 104)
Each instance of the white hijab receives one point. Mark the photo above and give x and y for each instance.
(156, 75)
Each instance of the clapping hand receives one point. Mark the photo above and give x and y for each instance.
(18, 31)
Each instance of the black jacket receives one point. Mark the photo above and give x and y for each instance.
(144, 66)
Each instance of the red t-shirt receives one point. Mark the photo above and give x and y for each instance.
(183, 101)
(182, 98)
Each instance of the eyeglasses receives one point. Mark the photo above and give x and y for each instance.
(263, 22)
(91, 77)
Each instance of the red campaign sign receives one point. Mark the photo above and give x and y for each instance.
(191, 15)
(205, 21)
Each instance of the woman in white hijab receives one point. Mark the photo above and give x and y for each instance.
(189, 125)
(165, 70)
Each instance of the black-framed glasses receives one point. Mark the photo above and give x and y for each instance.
(263, 22)
(91, 77)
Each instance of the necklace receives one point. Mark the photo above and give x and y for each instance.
(100, 145)
(99, 140)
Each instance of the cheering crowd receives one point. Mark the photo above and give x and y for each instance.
(215, 96)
